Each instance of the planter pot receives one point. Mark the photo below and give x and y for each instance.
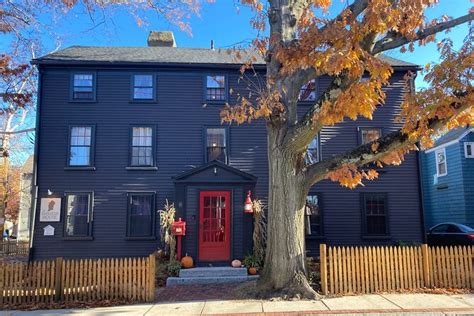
(252, 271)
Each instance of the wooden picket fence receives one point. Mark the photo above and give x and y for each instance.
(78, 280)
(346, 270)
(13, 247)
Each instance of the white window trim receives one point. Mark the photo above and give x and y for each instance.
(472, 149)
(443, 150)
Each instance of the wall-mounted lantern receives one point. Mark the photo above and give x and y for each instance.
(248, 206)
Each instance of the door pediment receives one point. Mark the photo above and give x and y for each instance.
(215, 171)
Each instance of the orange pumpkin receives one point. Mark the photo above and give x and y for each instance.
(252, 271)
(236, 263)
(187, 262)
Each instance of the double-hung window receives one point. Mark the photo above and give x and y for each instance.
(312, 153)
(142, 151)
(369, 134)
(216, 88)
(313, 216)
(140, 215)
(81, 146)
(83, 87)
(308, 91)
(216, 144)
(441, 164)
(469, 149)
(143, 87)
(78, 219)
(374, 214)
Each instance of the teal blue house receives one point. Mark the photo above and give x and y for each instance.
(448, 179)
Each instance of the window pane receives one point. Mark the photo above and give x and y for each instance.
(216, 137)
(143, 80)
(375, 213)
(140, 217)
(216, 81)
(469, 150)
(216, 144)
(83, 79)
(83, 86)
(143, 93)
(370, 134)
(442, 168)
(440, 156)
(77, 215)
(80, 156)
(215, 88)
(313, 212)
(308, 91)
(312, 154)
(142, 146)
(216, 153)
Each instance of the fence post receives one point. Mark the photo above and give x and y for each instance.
(323, 268)
(151, 276)
(426, 265)
(58, 287)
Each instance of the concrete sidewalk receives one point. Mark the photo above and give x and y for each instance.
(386, 304)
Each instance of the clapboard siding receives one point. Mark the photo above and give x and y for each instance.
(449, 198)
(179, 116)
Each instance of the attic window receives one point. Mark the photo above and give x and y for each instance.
(215, 88)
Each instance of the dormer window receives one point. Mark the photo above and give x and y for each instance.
(216, 88)
(308, 91)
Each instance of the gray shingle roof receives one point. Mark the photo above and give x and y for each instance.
(162, 55)
(451, 135)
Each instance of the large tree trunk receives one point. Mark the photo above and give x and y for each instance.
(284, 271)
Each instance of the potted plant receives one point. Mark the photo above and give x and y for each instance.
(252, 264)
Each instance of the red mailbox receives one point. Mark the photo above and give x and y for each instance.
(178, 228)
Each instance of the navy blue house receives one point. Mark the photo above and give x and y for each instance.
(123, 129)
(448, 179)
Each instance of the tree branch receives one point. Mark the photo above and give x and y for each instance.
(364, 154)
(394, 40)
(301, 134)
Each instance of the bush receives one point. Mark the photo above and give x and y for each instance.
(250, 261)
(173, 268)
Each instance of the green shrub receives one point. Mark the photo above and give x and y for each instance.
(250, 261)
(173, 267)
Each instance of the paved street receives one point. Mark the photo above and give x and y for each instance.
(387, 304)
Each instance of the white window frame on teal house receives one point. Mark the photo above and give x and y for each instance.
(469, 145)
(443, 151)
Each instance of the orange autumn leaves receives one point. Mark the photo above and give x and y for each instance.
(448, 98)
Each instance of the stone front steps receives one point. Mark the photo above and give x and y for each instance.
(211, 275)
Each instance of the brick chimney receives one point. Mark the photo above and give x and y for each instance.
(161, 39)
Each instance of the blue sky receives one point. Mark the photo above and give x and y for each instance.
(224, 22)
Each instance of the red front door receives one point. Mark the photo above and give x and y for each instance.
(214, 225)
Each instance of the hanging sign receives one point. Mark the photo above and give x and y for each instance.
(50, 210)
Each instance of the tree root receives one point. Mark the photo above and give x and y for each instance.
(297, 288)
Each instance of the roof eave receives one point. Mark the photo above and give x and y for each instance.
(47, 62)
(149, 63)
